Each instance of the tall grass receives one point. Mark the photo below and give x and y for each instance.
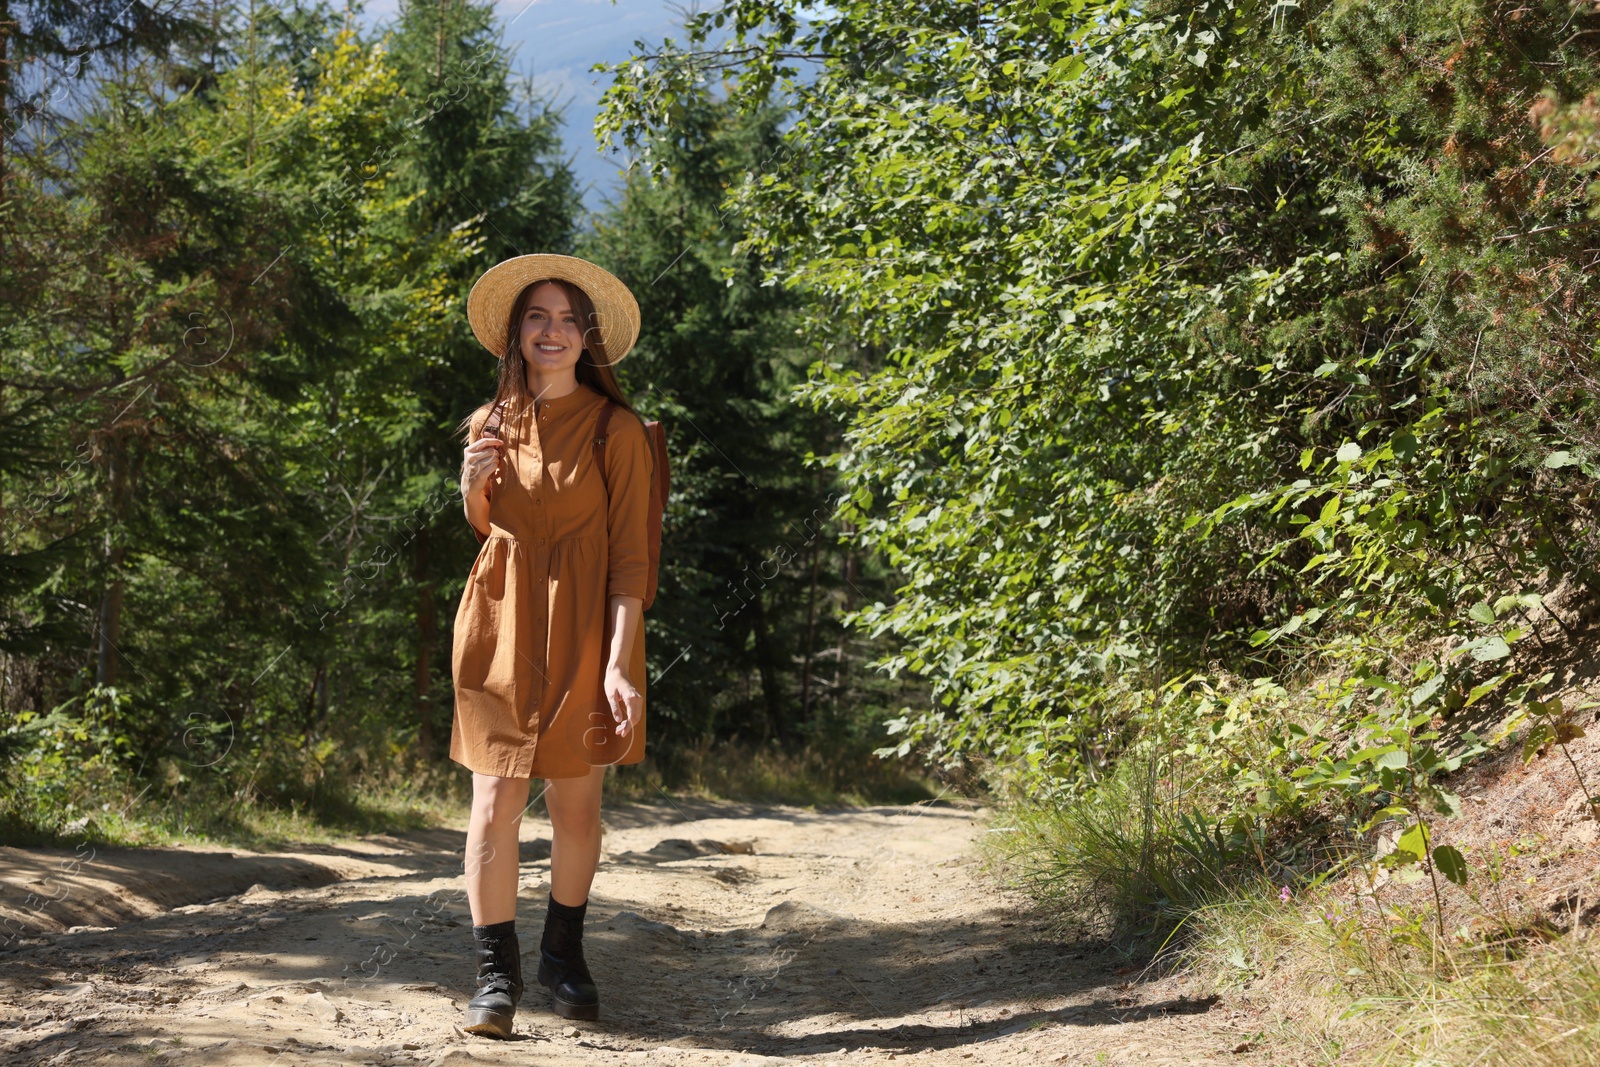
(1370, 984)
(1353, 975)
(1130, 857)
(177, 805)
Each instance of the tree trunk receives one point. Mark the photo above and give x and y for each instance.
(768, 668)
(811, 630)
(317, 699)
(5, 113)
(108, 658)
(438, 54)
(425, 638)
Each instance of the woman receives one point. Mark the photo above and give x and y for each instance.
(549, 643)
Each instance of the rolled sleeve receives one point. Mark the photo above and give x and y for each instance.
(629, 467)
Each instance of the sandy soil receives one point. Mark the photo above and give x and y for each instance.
(718, 933)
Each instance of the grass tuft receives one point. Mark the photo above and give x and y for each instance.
(1126, 859)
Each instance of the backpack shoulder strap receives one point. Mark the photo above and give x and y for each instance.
(495, 417)
(600, 441)
(657, 449)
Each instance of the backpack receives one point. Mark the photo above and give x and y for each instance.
(660, 485)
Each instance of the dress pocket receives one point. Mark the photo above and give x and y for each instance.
(478, 627)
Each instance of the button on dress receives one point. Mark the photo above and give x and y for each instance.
(532, 631)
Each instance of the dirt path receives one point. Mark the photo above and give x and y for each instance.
(718, 934)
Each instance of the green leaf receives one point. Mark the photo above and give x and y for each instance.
(1368, 755)
(1492, 649)
(1348, 452)
(1066, 70)
(1414, 841)
(1449, 861)
(1174, 98)
(1444, 802)
(1394, 760)
(1480, 691)
(1424, 693)
(1538, 737)
(1481, 612)
(1556, 460)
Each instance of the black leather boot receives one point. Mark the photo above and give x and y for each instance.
(561, 965)
(499, 980)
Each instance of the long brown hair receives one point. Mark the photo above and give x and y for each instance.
(593, 369)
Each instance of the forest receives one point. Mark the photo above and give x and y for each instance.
(1171, 423)
(237, 249)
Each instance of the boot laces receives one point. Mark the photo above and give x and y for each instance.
(497, 981)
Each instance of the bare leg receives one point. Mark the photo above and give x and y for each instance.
(574, 806)
(492, 856)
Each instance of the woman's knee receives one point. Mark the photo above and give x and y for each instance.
(575, 822)
(574, 808)
(498, 802)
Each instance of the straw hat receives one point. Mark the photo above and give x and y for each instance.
(489, 303)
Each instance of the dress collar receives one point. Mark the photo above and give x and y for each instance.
(581, 395)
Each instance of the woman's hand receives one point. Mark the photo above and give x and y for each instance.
(479, 461)
(624, 700)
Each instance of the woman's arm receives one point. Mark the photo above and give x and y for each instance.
(629, 467)
(477, 508)
(624, 614)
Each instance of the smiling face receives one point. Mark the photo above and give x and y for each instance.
(551, 337)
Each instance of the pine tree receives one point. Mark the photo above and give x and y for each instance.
(479, 151)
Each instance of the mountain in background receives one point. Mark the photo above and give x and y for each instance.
(556, 42)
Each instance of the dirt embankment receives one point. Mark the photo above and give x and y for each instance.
(718, 933)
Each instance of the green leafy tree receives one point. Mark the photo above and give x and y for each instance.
(752, 576)
(1218, 337)
(218, 361)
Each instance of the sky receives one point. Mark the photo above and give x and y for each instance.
(556, 42)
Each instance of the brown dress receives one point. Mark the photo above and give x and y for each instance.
(532, 631)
